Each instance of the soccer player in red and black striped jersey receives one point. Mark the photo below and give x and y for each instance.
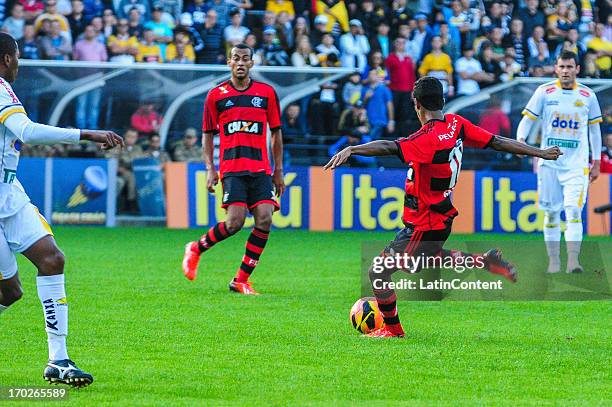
(240, 111)
(433, 155)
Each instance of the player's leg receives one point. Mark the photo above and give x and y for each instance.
(10, 286)
(262, 205)
(550, 198)
(235, 202)
(28, 233)
(575, 186)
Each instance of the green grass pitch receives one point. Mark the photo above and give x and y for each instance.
(151, 337)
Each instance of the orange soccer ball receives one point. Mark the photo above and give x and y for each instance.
(365, 315)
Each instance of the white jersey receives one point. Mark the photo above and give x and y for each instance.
(12, 194)
(566, 116)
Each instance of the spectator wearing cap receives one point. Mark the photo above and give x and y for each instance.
(273, 53)
(381, 41)
(354, 47)
(54, 45)
(188, 150)
(143, 7)
(402, 75)
(88, 104)
(52, 15)
(420, 41)
(15, 23)
(320, 28)
(148, 49)
(212, 35)
(336, 13)
(123, 47)
(531, 16)
(32, 9)
(439, 65)
(28, 44)
(378, 102)
(279, 6)
(77, 19)
(223, 8)
(235, 33)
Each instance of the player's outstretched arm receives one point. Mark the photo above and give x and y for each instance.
(512, 146)
(372, 149)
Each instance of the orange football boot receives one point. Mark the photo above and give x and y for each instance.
(387, 332)
(497, 265)
(191, 260)
(242, 288)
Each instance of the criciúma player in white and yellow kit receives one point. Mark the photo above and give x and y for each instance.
(570, 116)
(23, 230)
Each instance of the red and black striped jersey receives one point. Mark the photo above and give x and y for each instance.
(434, 155)
(241, 118)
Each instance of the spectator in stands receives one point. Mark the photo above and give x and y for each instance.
(188, 150)
(161, 30)
(123, 47)
(589, 67)
(180, 51)
(381, 41)
(402, 77)
(320, 29)
(354, 47)
(15, 24)
(378, 102)
(509, 66)
(300, 27)
(154, 149)
(28, 44)
(279, 6)
(146, 120)
(494, 119)
(125, 7)
(470, 73)
(420, 41)
(603, 48)
(354, 121)
(606, 151)
(304, 55)
(109, 23)
(88, 104)
(32, 9)
(533, 43)
(91, 9)
(55, 46)
(353, 140)
(531, 16)
(401, 13)
(542, 60)
(370, 16)
(336, 13)
(284, 28)
(186, 26)
(222, 8)
(135, 27)
(77, 19)
(558, 24)
(235, 33)
(377, 62)
(458, 18)
(572, 43)
(273, 53)
(351, 91)
(496, 41)
(198, 13)
(489, 63)
(52, 15)
(251, 42)
(292, 125)
(450, 42)
(98, 25)
(212, 35)
(327, 48)
(324, 108)
(171, 10)
(517, 40)
(126, 182)
(439, 65)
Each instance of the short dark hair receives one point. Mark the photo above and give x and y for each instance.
(428, 92)
(569, 55)
(243, 46)
(8, 46)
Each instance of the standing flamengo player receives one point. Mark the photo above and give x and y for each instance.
(240, 110)
(23, 230)
(433, 155)
(570, 117)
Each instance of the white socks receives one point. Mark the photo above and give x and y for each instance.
(573, 239)
(55, 309)
(552, 238)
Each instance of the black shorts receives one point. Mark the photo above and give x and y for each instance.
(248, 191)
(417, 242)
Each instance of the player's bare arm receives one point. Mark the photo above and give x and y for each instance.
(372, 149)
(212, 178)
(519, 148)
(277, 153)
(107, 139)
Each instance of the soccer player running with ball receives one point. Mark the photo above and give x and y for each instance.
(23, 230)
(570, 117)
(433, 155)
(240, 110)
